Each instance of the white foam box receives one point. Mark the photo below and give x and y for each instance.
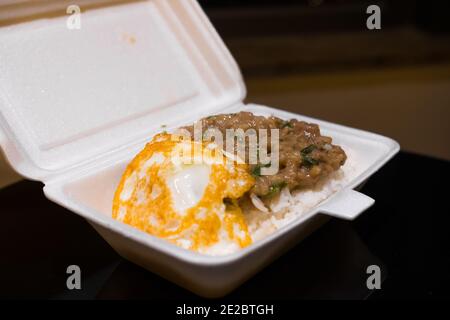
(77, 105)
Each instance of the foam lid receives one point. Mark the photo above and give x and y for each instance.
(70, 95)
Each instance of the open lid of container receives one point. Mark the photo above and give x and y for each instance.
(69, 95)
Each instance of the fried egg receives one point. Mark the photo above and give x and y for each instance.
(175, 189)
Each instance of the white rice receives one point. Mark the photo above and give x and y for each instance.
(291, 206)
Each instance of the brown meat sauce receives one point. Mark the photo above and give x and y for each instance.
(305, 155)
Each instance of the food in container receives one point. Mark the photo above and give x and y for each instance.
(198, 196)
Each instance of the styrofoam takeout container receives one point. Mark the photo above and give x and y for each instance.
(77, 105)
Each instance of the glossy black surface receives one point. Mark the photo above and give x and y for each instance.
(406, 233)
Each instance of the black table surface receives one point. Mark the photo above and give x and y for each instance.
(406, 233)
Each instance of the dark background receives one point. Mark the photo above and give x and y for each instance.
(318, 58)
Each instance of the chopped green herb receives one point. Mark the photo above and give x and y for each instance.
(256, 172)
(287, 124)
(276, 188)
(308, 150)
(309, 161)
